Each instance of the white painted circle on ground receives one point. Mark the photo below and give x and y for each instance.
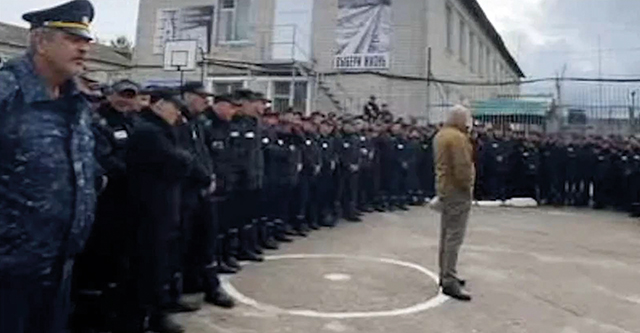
(336, 277)
(426, 305)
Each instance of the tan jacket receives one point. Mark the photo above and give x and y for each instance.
(455, 171)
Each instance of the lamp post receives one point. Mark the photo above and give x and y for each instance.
(632, 113)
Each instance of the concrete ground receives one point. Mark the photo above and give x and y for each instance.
(529, 270)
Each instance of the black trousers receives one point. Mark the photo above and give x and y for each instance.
(349, 192)
(366, 190)
(326, 187)
(29, 306)
(301, 197)
(200, 230)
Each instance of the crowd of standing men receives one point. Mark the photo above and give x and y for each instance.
(114, 205)
(193, 187)
(119, 203)
(570, 169)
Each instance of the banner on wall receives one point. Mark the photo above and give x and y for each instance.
(363, 34)
(189, 23)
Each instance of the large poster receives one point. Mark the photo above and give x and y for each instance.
(364, 34)
(189, 23)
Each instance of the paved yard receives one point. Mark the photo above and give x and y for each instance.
(529, 270)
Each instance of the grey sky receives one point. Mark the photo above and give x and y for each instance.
(113, 17)
(543, 35)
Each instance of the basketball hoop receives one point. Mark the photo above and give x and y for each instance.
(180, 55)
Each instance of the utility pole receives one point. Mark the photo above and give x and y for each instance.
(292, 87)
(204, 66)
(556, 116)
(632, 112)
(600, 73)
(429, 85)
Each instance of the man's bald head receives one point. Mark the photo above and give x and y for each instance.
(459, 117)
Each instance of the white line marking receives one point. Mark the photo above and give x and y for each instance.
(426, 305)
(335, 277)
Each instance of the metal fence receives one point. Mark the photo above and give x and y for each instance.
(575, 105)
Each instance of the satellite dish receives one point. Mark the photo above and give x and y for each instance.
(121, 43)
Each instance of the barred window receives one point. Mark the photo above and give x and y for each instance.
(472, 51)
(449, 28)
(463, 40)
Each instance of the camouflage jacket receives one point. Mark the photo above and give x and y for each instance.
(47, 167)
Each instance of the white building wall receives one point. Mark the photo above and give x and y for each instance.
(258, 49)
(417, 26)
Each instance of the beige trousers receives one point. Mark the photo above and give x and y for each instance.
(453, 226)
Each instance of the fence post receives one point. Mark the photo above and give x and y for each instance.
(429, 85)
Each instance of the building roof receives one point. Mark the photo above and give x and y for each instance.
(510, 107)
(17, 36)
(474, 8)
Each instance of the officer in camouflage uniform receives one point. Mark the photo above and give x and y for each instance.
(47, 170)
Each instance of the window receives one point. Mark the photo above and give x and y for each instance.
(488, 59)
(300, 96)
(281, 96)
(447, 95)
(463, 40)
(472, 51)
(227, 87)
(234, 20)
(480, 58)
(449, 19)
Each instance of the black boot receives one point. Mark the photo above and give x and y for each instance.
(162, 323)
(366, 209)
(300, 228)
(181, 307)
(220, 298)
(254, 238)
(265, 235)
(246, 251)
(280, 229)
(353, 218)
(328, 221)
(223, 268)
(220, 264)
(456, 292)
(232, 243)
(313, 223)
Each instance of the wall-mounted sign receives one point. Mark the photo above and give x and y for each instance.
(189, 23)
(363, 34)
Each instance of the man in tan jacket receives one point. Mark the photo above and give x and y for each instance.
(455, 176)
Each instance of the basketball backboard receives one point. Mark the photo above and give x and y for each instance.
(180, 55)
